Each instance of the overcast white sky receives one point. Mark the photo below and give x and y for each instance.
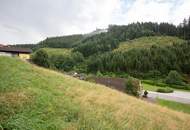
(29, 21)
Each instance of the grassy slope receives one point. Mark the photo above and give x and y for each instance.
(33, 98)
(175, 105)
(57, 51)
(146, 42)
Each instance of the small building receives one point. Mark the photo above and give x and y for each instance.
(23, 53)
(1, 45)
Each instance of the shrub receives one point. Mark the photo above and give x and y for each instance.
(67, 62)
(41, 58)
(133, 86)
(165, 90)
(59, 61)
(80, 68)
(174, 78)
(99, 74)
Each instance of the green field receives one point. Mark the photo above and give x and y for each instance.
(57, 51)
(147, 42)
(175, 105)
(34, 98)
(151, 87)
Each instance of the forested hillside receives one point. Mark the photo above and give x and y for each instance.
(61, 42)
(138, 49)
(55, 42)
(157, 60)
(121, 33)
(97, 44)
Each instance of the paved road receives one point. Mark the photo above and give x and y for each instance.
(178, 96)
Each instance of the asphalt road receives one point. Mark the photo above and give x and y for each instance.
(178, 96)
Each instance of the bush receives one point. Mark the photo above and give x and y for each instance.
(59, 61)
(67, 62)
(174, 78)
(133, 86)
(165, 90)
(41, 58)
(99, 74)
(80, 68)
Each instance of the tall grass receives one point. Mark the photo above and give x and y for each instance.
(175, 105)
(33, 98)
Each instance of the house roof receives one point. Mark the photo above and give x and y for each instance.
(15, 50)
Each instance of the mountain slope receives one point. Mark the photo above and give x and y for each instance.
(147, 42)
(57, 51)
(95, 32)
(61, 42)
(33, 98)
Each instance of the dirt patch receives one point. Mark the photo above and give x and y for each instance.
(115, 83)
(14, 98)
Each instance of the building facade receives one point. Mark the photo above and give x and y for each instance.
(22, 53)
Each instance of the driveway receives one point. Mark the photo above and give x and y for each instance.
(178, 96)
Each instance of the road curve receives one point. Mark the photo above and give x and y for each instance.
(178, 96)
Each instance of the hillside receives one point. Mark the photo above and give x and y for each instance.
(95, 32)
(57, 51)
(61, 42)
(54, 42)
(35, 98)
(147, 42)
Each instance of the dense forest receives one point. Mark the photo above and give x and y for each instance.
(97, 44)
(95, 53)
(157, 60)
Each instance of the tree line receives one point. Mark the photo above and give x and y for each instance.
(115, 33)
(135, 30)
(108, 41)
(57, 61)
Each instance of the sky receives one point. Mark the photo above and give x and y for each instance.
(30, 21)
